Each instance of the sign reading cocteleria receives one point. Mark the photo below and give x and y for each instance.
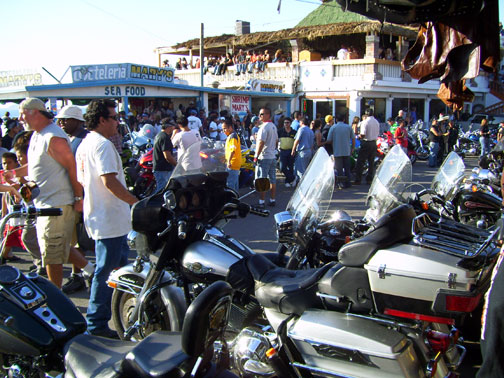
(105, 72)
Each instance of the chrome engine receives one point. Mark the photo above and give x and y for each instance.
(249, 353)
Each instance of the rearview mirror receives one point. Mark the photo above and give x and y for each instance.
(262, 184)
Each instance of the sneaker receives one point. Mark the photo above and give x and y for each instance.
(288, 185)
(42, 272)
(104, 332)
(75, 283)
(272, 203)
(259, 205)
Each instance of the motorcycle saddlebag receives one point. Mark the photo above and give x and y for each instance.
(344, 345)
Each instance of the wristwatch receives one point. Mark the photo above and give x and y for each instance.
(78, 198)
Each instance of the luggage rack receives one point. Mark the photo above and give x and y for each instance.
(451, 237)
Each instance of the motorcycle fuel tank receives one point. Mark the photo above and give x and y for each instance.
(471, 202)
(35, 315)
(209, 260)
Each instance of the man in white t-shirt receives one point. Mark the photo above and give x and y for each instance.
(265, 155)
(194, 122)
(187, 143)
(106, 208)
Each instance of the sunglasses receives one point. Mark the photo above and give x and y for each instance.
(114, 117)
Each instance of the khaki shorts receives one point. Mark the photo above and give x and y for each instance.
(55, 235)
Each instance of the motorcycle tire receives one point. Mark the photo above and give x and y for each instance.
(422, 153)
(122, 307)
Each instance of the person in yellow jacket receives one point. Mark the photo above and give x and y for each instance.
(233, 155)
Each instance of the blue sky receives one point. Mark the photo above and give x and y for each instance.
(58, 33)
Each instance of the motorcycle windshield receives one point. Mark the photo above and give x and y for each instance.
(390, 186)
(310, 201)
(448, 176)
(200, 157)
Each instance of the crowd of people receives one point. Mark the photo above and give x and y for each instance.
(249, 61)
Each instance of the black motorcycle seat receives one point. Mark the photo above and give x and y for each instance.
(287, 291)
(95, 356)
(392, 228)
(158, 355)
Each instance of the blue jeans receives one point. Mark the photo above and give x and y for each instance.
(342, 163)
(110, 254)
(434, 150)
(162, 178)
(485, 146)
(287, 165)
(232, 180)
(303, 159)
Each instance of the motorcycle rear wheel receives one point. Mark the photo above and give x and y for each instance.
(122, 308)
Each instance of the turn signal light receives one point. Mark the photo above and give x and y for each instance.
(474, 188)
(111, 284)
(425, 206)
(203, 155)
(439, 341)
(462, 304)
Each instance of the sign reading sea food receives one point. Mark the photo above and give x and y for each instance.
(122, 71)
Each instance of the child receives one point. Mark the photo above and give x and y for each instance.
(12, 230)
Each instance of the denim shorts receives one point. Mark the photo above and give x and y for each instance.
(266, 168)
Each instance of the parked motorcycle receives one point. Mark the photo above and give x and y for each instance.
(469, 199)
(419, 140)
(398, 289)
(42, 332)
(180, 246)
(145, 183)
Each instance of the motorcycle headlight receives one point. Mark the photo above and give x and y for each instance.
(138, 241)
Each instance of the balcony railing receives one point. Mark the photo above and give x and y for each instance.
(333, 70)
(273, 72)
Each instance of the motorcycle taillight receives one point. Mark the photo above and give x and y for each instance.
(462, 303)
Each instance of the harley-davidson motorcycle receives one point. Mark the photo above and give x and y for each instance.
(383, 308)
(42, 332)
(181, 247)
(471, 198)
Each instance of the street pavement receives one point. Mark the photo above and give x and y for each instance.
(259, 233)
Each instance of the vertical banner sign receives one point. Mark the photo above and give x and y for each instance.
(240, 105)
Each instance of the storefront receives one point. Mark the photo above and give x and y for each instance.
(135, 87)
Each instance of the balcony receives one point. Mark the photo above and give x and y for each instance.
(283, 72)
(332, 75)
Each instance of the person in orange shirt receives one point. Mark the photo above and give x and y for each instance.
(233, 155)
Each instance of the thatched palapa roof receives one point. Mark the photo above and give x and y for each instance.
(329, 19)
(307, 32)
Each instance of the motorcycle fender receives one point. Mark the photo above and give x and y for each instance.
(174, 302)
(129, 280)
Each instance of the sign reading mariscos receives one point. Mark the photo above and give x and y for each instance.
(104, 72)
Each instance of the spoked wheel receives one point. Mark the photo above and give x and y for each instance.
(422, 153)
(123, 305)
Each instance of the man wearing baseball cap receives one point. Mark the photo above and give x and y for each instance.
(51, 165)
(71, 120)
(163, 160)
(194, 122)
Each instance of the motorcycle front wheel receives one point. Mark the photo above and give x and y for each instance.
(123, 305)
(422, 153)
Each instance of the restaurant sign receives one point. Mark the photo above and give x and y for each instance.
(270, 86)
(20, 78)
(122, 71)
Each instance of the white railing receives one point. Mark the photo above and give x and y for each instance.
(273, 71)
